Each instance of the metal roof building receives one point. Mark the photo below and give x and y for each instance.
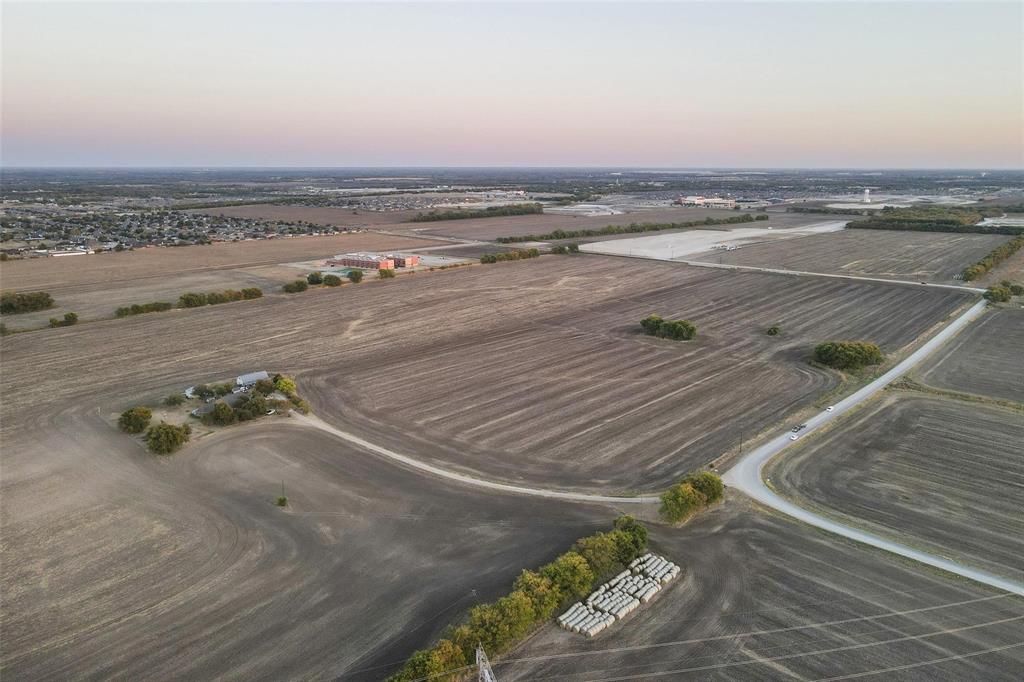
(251, 378)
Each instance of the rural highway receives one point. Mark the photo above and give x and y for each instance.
(746, 475)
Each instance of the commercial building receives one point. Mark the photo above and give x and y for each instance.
(706, 202)
(405, 261)
(364, 261)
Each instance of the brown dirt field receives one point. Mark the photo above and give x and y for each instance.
(763, 598)
(122, 565)
(57, 274)
(931, 472)
(492, 228)
(888, 254)
(987, 358)
(524, 371)
(488, 229)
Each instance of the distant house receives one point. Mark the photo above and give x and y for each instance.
(251, 378)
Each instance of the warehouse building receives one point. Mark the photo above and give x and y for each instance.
(404, 261)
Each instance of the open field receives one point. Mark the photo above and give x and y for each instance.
(930, 472)
(762, 598)
(121, 565)
(93, 286)
(57, 274)
(918, 256)
(487, 229)
(987, 358)
(529, 371)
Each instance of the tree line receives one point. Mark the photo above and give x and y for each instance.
(518, 254)
(535, 598)
(198, 300)
(848, 355)
(993, 258)
(691, 495)
(14, 302)
(489, 212)
(678, 330)
(936, 219)
(628, 229)
(1003, 292)
(162, 438)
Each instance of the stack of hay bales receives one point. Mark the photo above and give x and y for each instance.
(619, 596)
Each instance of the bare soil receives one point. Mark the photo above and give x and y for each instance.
(987, 358)
(764, 598)
(887, 254)
(933, 472)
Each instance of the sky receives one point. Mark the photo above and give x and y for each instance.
(669, 84)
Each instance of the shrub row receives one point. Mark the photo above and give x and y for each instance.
(140, 308)
(70, 319)
(566, 248)
(690, 495)
(489, 212)
(627, 229)
(994, 258)
(848, 354)
(518, 254)
(679, 330)
(12, 302)
(535, 598)
(197, 300)
(247, 408)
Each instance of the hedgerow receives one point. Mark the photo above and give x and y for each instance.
(625, 229)
(690, 495)
(518, 254)
(849, 355)
(535, 598)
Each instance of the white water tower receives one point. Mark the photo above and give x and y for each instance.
(867, 196)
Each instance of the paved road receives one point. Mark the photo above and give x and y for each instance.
(746, 475)
(318, 423)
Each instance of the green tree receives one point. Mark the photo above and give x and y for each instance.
(651, 324)
(174, 399)
(295, 287)
(250, 293)
(635, 530)
(708, 484)
(679, 502)
(998, 294)
(12, 303)
(222, 414)
(332, 280)
(541, 591)
(191, 300)
(315, 278)
(571, 574)
(135, 419)
(285, 384)
(600, 551)
(164, 438)
(774, 330)
(848, 355)
(355, 276)
(385, 273)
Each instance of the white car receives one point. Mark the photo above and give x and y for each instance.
(830, 408)
(794, 437)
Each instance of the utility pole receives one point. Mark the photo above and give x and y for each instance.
(483, 666)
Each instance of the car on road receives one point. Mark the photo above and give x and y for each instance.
(794, 437)
(795, 429)
(830, 408)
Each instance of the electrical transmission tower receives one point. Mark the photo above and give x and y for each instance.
(486, 674)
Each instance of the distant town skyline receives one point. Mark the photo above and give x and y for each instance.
(660, 85)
